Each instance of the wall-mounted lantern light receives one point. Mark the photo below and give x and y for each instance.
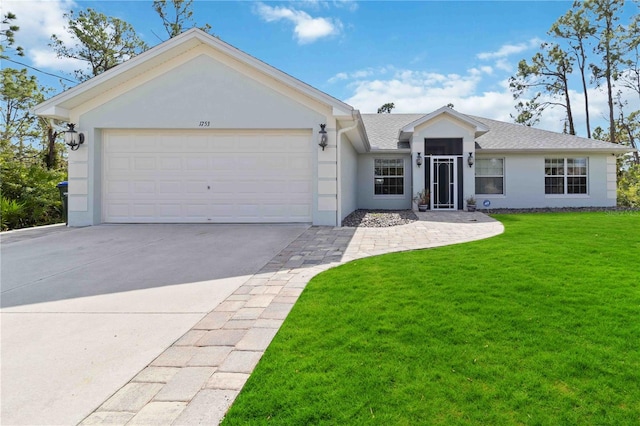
(323, 136)
(73, 138)
(470, 159)
(419, 160)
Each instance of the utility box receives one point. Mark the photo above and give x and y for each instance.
(63, 188)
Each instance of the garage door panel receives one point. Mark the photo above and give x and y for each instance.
(144, 188)
(144, 163)
(169, 163)
(116, 187)
(170, 211)
(196, 210)
(144, 210)
(170, 188)
(195, 164)
(207, 176)
(299, 187)
(116, 163)
(195, 186)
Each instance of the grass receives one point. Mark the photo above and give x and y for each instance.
(538, 326)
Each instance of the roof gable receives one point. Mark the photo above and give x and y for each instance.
(60, 105)
(445, 110)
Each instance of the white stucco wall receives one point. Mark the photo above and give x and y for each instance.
(200, 86)
(366, 197)
(348, 178)
(524, 182)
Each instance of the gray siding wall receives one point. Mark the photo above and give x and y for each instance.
(525, 179)
(349, 178)
(366, 197)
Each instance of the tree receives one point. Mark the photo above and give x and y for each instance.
(386, 108)
(630, 42)
(548, 72)
(576, 30)
(7, 35)
(103, 42)
(20, 93)
(605, 14)
(51, 130)
(529, 111)
(179, 17)
(629, 187)
(28, 190)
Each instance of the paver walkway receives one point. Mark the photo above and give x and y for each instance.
(196, 380)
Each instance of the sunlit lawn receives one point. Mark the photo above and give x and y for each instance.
(540, 325)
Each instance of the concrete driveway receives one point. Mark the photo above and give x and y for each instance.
(84, 310)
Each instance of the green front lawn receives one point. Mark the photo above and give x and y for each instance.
(540, 326)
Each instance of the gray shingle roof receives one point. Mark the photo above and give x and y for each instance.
(509, 136)
(383, 131)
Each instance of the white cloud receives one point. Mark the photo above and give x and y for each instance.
(505, 51)
(38, 20)
(510, 49)
(350, 5)
(356, 75)
(47, 58)
(306, 28)
(423, 92)
(504, 65)
(410, 85)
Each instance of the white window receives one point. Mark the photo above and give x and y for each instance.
(490, 176)
(388, 176)
(565, 176)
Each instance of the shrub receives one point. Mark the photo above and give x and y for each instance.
(34, 189)
(11, 213)
(629, 187)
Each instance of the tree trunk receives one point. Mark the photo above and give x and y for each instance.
(50, 157)
(572, 130)
(586, 97)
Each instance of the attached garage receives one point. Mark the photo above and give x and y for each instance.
(197, 131)
(207, 176)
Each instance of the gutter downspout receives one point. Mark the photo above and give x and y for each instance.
(338, 170)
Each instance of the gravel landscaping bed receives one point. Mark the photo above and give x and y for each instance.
(379, 218)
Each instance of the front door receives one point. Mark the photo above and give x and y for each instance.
(444, 185)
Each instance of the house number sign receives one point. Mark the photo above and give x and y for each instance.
(204, 124)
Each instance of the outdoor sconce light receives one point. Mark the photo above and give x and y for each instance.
(419, 160)
(323, 136)
(470, 159)
(73, 138)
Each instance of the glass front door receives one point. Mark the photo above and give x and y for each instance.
(444, 186)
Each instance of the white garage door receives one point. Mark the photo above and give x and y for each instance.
(160, 176)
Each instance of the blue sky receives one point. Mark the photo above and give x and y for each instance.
(420, 55)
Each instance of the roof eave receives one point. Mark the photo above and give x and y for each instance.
(375, 150)
(613, 150)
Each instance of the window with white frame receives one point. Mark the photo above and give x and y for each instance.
(388, 176)
(490, 176)
(565, 176)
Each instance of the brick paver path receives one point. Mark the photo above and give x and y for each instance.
(196, 380)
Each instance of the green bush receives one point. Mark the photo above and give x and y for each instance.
(33, 189)
(629, 187)
(11, 213)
